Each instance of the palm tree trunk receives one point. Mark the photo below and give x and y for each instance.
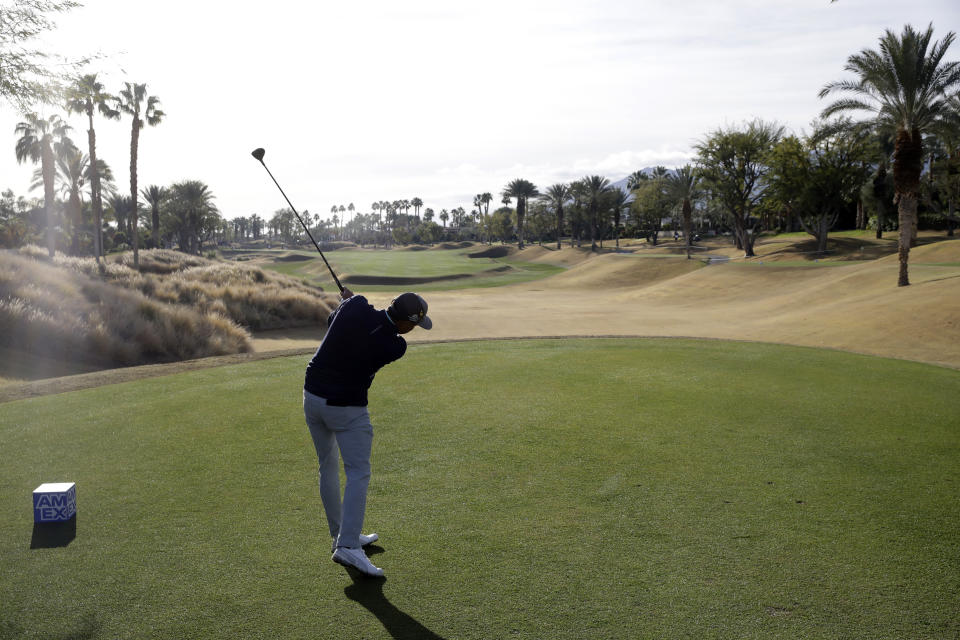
(76, 218)
(907, 166)
(687, 210)
(521, 209)
(559, 225)
(907, 210)
(155, 220)
(593, 229)
(49, 198)
(95, 202)
(134, 139)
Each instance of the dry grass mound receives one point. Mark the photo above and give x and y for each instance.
(161, 261)
(943, 252)
(565, 257)
(623, 270)
(70, 310)
(63, 315)
(399, 281)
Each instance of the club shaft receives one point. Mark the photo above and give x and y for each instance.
(305, 228)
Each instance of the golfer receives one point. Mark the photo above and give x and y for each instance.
(359, 340)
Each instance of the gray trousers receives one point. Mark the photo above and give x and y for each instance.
(345, 431)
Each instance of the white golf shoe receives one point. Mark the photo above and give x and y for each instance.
(357, 559)
(364, 541)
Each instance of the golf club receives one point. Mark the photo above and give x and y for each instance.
(258, 154)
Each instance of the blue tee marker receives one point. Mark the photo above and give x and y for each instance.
(55, 502)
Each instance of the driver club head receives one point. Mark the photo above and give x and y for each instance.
(258, 154)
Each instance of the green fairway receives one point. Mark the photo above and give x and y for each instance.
(431, 270)
(521, 489)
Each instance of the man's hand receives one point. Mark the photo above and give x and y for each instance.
(346, 293)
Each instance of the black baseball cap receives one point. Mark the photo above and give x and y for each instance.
(412, 307)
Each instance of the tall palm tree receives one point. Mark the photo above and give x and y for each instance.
(596, 186)
(905, 85)
(41, 140)
(154, 195)
(685, 188)
(485, 199)
(555, 197)
(143, 109)
(416, 203)
(478, 203)
(86, 95)
(521, 190)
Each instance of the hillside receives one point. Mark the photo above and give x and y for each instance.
(853, 305)
(846, 300)
(66, 316)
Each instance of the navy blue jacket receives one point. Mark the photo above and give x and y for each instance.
(359, 341)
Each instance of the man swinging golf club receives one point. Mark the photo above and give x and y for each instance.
(359, 341)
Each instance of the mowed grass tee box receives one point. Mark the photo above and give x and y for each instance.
(530, 489)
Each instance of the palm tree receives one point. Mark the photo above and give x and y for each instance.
(635, 179)
(685, 186)
(86, 95)
(597, 186)
(72, 169)
(521, 190)
(154, 195)
(478, 203)
(444, 216)
(578, 194)
(124, 211)
(416, 203)
(906, 85)
(555, 197)
(485, 200)
(191, 205)
(41, 140)
(131, 101)
(619, 202)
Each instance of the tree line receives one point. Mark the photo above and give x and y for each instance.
(80, 197)
(895, 168)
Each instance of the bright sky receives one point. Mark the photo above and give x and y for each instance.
(438, 99)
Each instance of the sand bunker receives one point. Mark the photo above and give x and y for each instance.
(493, 252)
(405, 281)
(293, 257)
